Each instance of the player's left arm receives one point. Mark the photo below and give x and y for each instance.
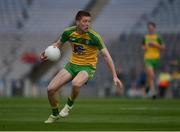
(108, 59)
(160, 44)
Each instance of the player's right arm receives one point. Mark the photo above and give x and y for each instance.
(59, 43)
(144, 46)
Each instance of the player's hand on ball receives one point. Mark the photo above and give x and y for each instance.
(118, 83)
(51, 53)
(43, 57)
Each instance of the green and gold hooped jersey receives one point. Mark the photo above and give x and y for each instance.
(152, 52)
(84, 46)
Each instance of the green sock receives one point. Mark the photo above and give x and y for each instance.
(55, 111)
(70, 102)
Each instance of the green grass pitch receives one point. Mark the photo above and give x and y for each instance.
(91, 114)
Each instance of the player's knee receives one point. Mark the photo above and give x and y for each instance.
(76, 84)
(151, 76)
(51, 90)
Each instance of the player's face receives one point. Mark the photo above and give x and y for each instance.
(151, 29)
(84, 23)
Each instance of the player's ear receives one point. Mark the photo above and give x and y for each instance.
(77, 22)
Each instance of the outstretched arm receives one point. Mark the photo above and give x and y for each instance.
(109, 61)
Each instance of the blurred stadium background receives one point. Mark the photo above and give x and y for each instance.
(27, 27)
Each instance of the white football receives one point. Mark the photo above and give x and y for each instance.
(53, 53)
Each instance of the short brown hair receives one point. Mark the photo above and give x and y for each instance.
(82, 13)
(152, 24)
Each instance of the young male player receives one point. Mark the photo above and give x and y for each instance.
(85, 43)
(152, 45)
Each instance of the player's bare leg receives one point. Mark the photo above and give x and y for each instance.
(57, 82)
(151, 76)
(77, 83)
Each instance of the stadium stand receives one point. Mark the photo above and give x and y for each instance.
(120, 15)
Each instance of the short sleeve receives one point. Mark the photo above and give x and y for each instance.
(143, 41)
(100, 43)
(64, 37)
(159, 40)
